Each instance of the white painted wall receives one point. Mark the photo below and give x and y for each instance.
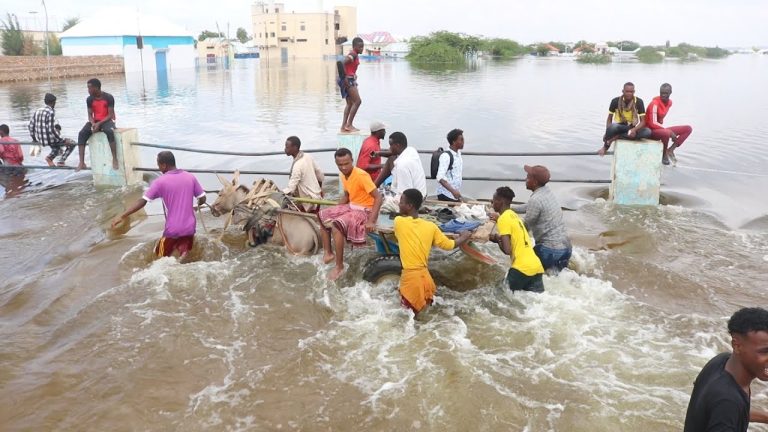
(89, 50)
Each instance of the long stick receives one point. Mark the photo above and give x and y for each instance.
(314, 201)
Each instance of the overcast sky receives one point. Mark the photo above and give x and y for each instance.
(727, 23)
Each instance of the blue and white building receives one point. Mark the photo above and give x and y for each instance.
(166, 46)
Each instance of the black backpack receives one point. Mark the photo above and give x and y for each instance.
(434, 164)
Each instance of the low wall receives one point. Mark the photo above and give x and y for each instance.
(31, 68)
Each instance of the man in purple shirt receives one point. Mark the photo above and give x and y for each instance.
(177, 188)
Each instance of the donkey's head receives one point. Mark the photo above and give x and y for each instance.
(230, 194)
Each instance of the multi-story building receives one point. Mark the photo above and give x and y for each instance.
(281, 34)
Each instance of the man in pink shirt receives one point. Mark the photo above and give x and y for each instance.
(177, 188)
(10, 151)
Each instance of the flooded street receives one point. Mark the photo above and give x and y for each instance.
(97, 336)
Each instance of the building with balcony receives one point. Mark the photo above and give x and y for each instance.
(281, 34)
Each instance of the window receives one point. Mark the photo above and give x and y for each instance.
(259, 34)
(302, 27)
(301, 40)
(283, 39)
(272, 34)
(326, 41)
(336, 26)
(283, 27)
(277, 10)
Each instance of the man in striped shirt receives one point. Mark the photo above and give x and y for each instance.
(43, 129)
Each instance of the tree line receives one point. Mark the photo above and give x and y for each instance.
(15, 42)
(449, 47)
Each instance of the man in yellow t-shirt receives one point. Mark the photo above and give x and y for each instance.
(415, 238)
(526, 269)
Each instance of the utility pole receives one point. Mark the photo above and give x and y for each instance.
(47, 43)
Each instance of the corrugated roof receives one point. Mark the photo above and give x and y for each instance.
(124, 22)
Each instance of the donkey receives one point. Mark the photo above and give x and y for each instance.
(260, 209)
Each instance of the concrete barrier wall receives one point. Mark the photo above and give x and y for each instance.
(128, 158)
(31, 68)
(353, 142)
(636, 172)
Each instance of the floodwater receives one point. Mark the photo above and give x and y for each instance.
(96, 336)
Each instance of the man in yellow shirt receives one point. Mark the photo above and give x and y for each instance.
(415, 238)
(526, 269)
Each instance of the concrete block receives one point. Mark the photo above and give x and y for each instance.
(636, 172)
(127, 158)
(353, 142)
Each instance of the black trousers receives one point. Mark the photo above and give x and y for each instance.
(108, 127)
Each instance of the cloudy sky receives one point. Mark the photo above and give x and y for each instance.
(727, 23)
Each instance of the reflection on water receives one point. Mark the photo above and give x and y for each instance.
(96, 332)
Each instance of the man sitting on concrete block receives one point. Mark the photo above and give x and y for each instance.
(626, 119)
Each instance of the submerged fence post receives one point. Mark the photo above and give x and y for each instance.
(636, 172)
(353, 142)
(127, 158)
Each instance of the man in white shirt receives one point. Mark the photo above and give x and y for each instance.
(306, 179)
(407, 172)
(450, 168)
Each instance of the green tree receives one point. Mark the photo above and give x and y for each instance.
(584, 47)
(594, 58)
(54, 45)
(649, 54)
(205, 34)
(542, 50)
(716, 53)
(242, 35)
(12, 38)
(69, 23)
(503, 48)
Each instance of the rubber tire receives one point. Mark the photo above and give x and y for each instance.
(382, 268)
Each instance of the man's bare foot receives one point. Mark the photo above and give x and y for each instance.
(328, 258)
(601, 152)
(49, 161)
(115, 165)
(352, 129)
(80, 166)
(335, 273)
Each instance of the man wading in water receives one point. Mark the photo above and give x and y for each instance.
(177, 188)
(415, 238)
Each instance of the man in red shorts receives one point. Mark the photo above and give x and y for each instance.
(177, 188)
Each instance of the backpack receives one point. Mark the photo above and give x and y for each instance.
(434, 164)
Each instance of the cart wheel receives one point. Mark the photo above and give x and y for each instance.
(382, 269)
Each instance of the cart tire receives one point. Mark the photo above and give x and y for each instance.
(383, 268)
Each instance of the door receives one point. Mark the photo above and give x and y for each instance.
(284, 55)
(160, 62)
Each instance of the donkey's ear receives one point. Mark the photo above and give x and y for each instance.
(236, 178)
(223, 181)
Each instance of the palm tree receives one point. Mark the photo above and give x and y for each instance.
(69, 23)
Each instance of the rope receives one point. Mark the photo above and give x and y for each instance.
(279, 173)
(44, 167)
(228, 153)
